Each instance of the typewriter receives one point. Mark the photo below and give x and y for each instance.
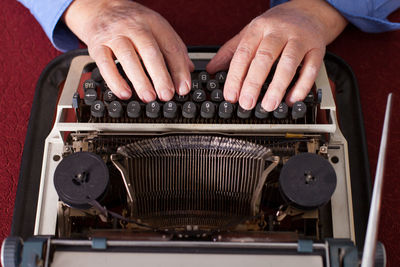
(196, 180)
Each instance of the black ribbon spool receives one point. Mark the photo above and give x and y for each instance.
(80, 178)
(307, 181)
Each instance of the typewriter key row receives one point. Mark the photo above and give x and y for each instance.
(190, 110)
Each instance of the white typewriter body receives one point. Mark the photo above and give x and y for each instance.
(48, 202)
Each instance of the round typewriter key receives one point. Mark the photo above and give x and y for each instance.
(181, 98)
(260, 113)
(204, 76)
(90, 96)
(153, 110)
(217, 95)
(96, 76)
(243, 113)
(299, 110)
(220, 76)
(281, 111)
(115, 109)
(104, 87)
(133, 110)
(108, 96)
(97, 109)
(212, 85)
(195, 85)
(170, 110)
(225, 110)
(199, 96)
(307, 181)
(207, 110)
(189, 110)
(80, 178)
(309, 98)
(89, 84)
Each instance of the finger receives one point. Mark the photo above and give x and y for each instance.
(224, 55)
(240, 63)
(174, 52)
(153, 60)
(291, 58)
(308, 74)
(268, 51)
(125, 52)
(184, 48)
(105, 62)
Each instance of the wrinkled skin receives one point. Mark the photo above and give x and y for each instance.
(128, 31)
(296, 32)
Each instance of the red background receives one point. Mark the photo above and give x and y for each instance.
(25, 51)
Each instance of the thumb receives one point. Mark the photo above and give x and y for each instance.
(224, 55)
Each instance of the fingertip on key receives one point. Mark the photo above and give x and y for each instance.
(246, 102)
(148, 96)
(184, 88)
(269, 104)
(125, 94)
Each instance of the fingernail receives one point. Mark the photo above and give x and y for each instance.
(183, 88)
(125, 94)
(148, 96)
(166, 95)
(271, 105)
(230, 97)
(246, 101)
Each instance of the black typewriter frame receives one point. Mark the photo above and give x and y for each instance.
(41, 122)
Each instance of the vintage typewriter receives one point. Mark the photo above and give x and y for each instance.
(196, 180)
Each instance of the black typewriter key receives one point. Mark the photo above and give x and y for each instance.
(217, 95)
(90, 96)
(220, 76)
(97, 109)
(108, 96)
(153, 110)
(204, 76)
(281, 111)
(260, 113)
(181, 98)
(212, 85)
(299, 110)
(199, 96)
(225, 110)
(243, 113)
(189, 110)
(133, 109)
(207, 110)
(96, 76)
(309, 98)
(195, 85)
(170, 110)
(115, 109)
(104, 87)
(89, 84)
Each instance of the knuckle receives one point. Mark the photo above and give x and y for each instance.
(172, 48)
(125, 55)
(264, 55)
(253, 85)
(149, 50)
(290, 60)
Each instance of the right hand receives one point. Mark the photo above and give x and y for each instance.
(128, 31)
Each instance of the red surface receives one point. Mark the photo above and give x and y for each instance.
(25, 51)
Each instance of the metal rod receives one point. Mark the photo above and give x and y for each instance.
(373, 219)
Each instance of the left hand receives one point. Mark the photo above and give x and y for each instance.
(297, 31)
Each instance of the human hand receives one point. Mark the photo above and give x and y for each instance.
(129, 32)
(297, 31)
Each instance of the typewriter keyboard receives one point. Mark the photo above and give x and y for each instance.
(205, 103)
